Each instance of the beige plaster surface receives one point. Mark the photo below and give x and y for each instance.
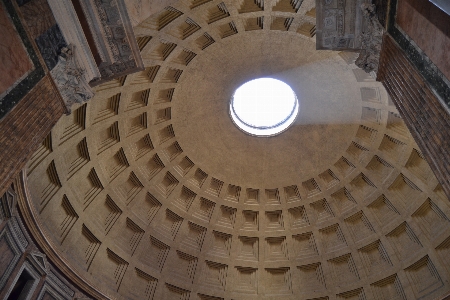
(329, 114)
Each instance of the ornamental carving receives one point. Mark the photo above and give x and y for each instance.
(70, 80)
(371, 40)
(350, 25)
(114, 39)
(338, 24)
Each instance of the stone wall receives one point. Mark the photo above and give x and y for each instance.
(424, 115)
(24, 128)
(29, 101)
(415, 73)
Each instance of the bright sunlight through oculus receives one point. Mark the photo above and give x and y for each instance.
(264, 107)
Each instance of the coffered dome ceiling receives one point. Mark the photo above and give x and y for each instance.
(149, 191)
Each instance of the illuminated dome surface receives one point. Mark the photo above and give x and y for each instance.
(264, 107)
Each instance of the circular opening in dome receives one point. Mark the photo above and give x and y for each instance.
(264, 107)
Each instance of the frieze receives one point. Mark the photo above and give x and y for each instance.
(18, 234)
(68, 22)
(350, 25)
(113, 29)
(114, 38)
(54, 279)
(339, 24)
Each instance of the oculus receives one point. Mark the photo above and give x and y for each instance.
(264, 107)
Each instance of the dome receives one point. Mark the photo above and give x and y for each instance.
(150, 191)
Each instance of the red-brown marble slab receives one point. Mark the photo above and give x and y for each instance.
(429, 27)
(14, 61)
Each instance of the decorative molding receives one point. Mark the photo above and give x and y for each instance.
(71, 29)
(8, 204)
(39, 261)
(70, 80)
(18, 234)
(371, 40)
(14, 246)
(48, 290)
(339, 24)
(114, 39)
(57, 283)
(350, 25)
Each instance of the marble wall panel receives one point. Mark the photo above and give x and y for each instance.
(38, 16)
(429, 27)
(14, 61)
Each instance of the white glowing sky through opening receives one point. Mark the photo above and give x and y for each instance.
(264, 106)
